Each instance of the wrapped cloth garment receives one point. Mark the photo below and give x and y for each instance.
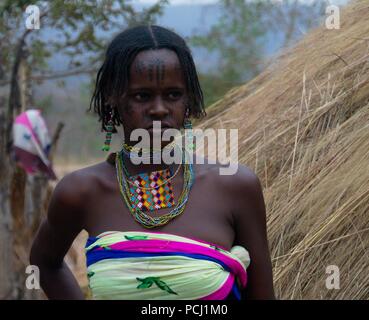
(32, 143)
(151, 265)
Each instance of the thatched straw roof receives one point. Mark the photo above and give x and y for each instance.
(304, 129)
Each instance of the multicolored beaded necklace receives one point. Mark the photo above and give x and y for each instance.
(152, 191)
(134, 203)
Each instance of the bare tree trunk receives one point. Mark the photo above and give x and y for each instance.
(6, 234)
(23, 200)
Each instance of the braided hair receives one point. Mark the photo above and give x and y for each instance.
(112, 77)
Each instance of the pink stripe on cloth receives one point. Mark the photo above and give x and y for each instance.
(23, 119)
(175, 246)
(223, 291)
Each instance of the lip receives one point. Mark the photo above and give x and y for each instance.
(151, 130)
(163, 126)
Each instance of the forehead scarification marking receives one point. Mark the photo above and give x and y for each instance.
(139, 67)
(159, 69)
(150, 69)
(155, 64)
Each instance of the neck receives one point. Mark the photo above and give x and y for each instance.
(149, 161)
(156, 162)
(135, 169)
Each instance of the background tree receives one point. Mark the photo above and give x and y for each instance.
(237, 41)
(234, 41)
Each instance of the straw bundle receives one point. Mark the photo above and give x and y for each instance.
(304, 130)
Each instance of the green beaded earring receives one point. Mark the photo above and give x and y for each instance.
(109, 132)
(187, 125)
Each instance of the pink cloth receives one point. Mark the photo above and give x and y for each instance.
(32, 143)
(160, 246)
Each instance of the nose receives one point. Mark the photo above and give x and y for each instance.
(158, 110)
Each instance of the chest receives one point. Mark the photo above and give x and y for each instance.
(207, 215)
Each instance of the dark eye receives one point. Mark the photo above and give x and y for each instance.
(141, 96)
(174, 95)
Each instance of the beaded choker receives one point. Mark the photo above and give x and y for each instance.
(146, 153)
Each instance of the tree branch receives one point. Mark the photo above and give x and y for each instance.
(14, 103)
(55, 139)
(57, 75)
(14, 96)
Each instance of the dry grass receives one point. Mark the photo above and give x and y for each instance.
(304, 129)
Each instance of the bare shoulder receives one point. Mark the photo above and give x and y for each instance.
(77, 184)
(232, 177)
(249, 205)
(248, 191)
(239, 185)
(73, 191)
(240, 175)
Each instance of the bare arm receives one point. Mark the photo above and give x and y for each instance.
(250, 224)
(54, 238)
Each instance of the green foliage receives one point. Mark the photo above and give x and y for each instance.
(45, 104)
(236, 40)
(79, 29)
(38, 55)
(214, 86)
(76, 25)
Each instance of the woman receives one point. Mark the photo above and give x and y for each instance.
(193, 234)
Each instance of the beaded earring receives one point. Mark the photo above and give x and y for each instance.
(109, 132)
(187, 125)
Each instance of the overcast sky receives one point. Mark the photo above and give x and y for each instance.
(177, 2)
(189, 2)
